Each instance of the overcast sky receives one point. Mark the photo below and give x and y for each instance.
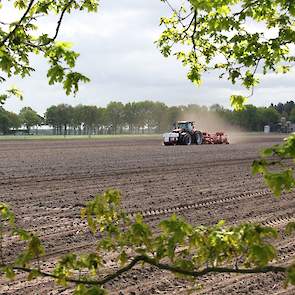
(119, 55)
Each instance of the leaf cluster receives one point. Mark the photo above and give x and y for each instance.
(188, 251)
(277, 166)
(32, 248)
(22, 38)
(214, 35)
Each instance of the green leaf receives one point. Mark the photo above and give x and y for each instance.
(84, 290)
(15, 92)
(6, 214)
(23, 234)
(290, 228)
(259, 166)
(33, 274)
(278, 182)
(35, 247)
(267, 152)
(291, 275)
(262, 254)
(123, 258)
(238, 102)
(9, 272)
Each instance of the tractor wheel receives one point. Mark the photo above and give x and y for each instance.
(187, 139)
(198, 137)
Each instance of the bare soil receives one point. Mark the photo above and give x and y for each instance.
(47, 182)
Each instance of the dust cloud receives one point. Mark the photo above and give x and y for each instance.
(212, 122)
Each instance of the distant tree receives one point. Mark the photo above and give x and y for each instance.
(101, 119)
(14, 120)
(148, 114)
(8, 120)
(174, 113)
(228, 116)
(267, 116)
(246, 118)
(51, 118)
(194, 108)
(160, 116)
(279, 107)
(115, 115)
(29, 118)
(141, 116)
(285, 115)
(292, 115)
(90, 118)
(285, 109)
(130, 115)
(60, 117)
(4, 121)
(77, 118)
(65, 117)
(288, 106)
(216, 108)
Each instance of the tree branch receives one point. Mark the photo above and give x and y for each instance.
(18, 24)
(159, 265)
(275, 269)
(191, 22)
(60, 19)
(59, 22)
(180, 19)
(254, 72)
(194, 32)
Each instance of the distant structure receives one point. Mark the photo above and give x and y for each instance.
(285, 126)
(266, 129)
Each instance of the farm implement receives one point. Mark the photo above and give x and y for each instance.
(186, 134)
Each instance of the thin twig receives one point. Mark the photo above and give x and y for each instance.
(59, 22)
(253, 74)
(189, 25)
(180, 19)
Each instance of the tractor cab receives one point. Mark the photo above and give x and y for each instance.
(185, 126)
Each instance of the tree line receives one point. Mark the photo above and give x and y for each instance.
(138, 117)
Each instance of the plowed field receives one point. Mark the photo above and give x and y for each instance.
(47, 182)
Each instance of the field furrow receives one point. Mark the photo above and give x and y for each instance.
(48, 182)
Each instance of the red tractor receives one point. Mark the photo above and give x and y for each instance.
(186, 134)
